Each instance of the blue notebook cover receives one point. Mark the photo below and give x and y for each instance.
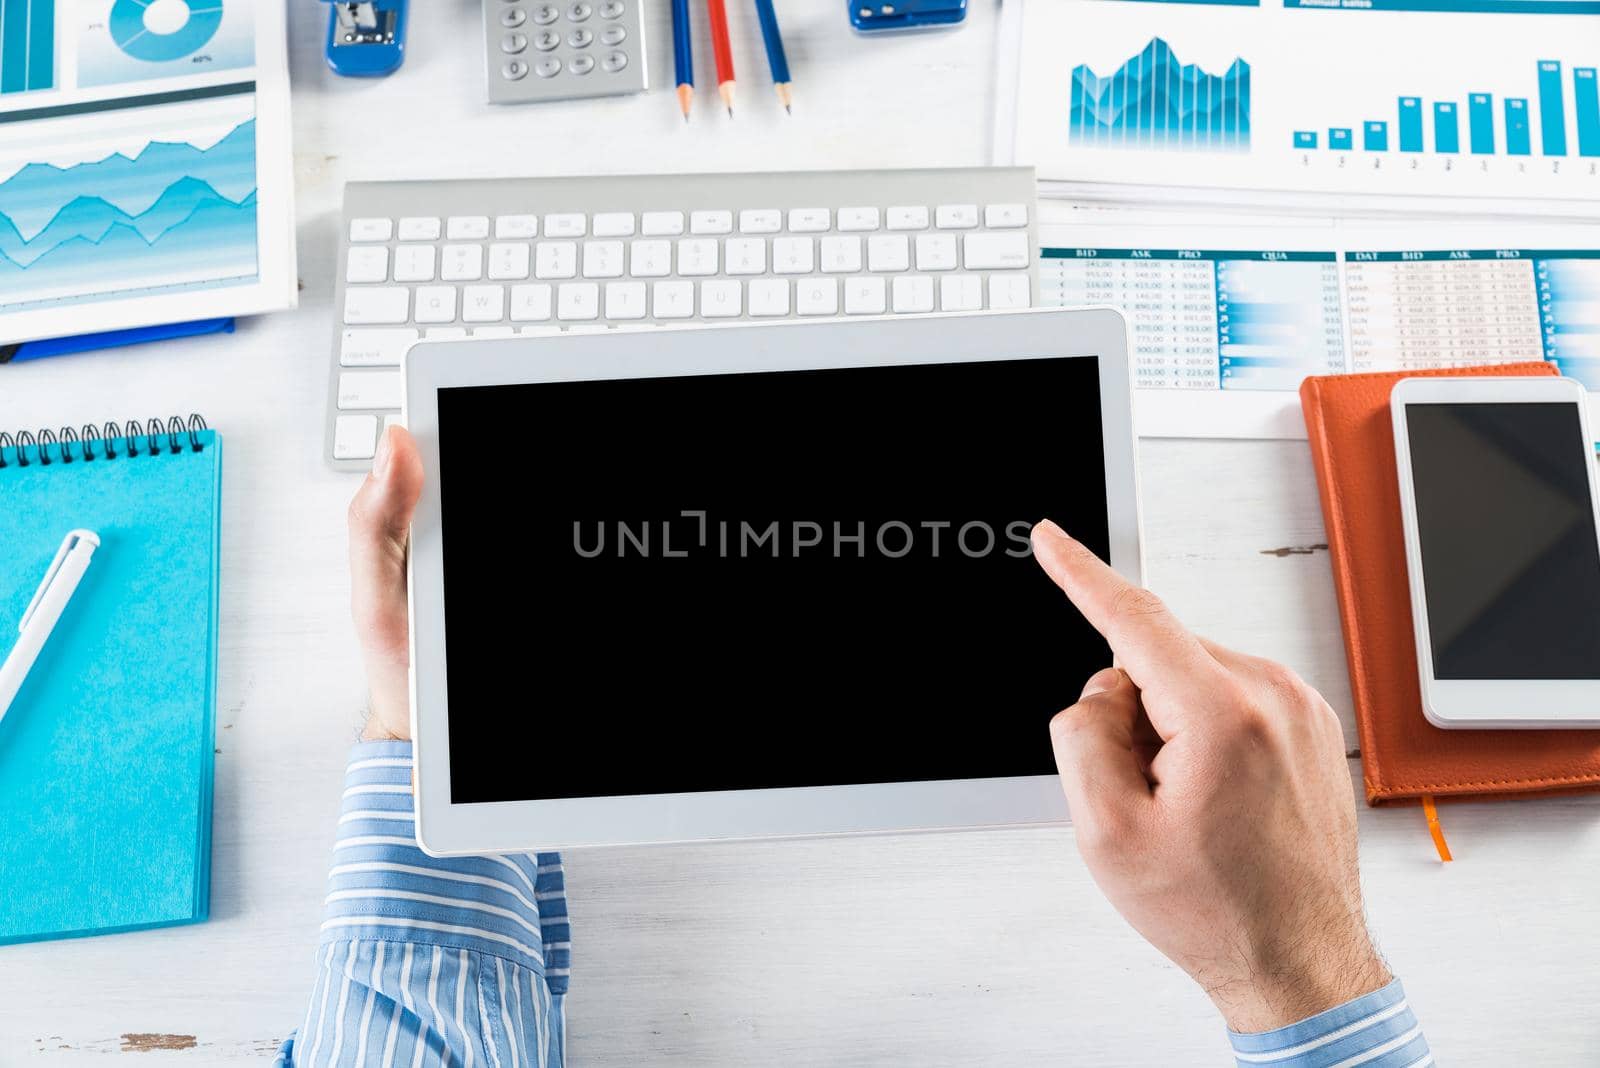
(106, 755)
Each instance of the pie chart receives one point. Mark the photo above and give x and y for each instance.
(160, 31)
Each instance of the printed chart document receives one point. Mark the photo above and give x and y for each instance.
(145, 168)
(1226, 317)
(1310, 102)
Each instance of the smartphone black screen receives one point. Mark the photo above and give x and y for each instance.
(1510, 561)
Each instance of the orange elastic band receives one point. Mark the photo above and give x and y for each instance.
(1431, 810)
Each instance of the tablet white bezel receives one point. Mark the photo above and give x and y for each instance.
(1486, 703)
(444, 828)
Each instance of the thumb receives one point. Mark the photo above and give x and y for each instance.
(1096, 753)
(380, 523)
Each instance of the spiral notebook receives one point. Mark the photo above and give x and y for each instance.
(106, 754)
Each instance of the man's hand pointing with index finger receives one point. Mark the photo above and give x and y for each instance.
(1212, 803)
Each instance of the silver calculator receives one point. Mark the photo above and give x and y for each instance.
(543, 50)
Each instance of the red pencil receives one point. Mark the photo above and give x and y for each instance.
(722, 50)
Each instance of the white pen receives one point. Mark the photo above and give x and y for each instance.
(40, 617)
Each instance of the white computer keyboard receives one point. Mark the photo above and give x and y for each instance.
(452, 259)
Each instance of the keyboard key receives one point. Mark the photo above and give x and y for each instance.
(865, 295)
(936, 252)
(371, 229)
(697, 256)
(625, 300)
(711, 222)
(817, 296)
(1005, 216)
(483, 304)
(419, 228)
(841, 255)
(374, 347)
(913, 293)
(355, 437)
(513, 227)
(578, 300)
(769, 297)
(721, 299)
(461, 263)
(445, 333)
(467, 227)
(745, 255)
(956, 216)
(855, 219)
(614, 224)
(555, 259)
(508, 261)
(369, 389)
(672, 300)
(414, 263)
(760, 221)
(792, 255)
(960, 292)
(908, 218)
(650, 259)
(1009, 290)
(375, 304)
(570, 224)
(992, 252)
(530, 303)
(435, 304)
(888, 252)
(602, 259)
(493, 331)
(809, 220)
(366, 263)
(661, 223)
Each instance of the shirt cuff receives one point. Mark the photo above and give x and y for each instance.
(1377, 1030)
(382, 887)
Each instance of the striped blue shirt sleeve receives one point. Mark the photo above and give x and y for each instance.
(1377, 1030)
(427, 961)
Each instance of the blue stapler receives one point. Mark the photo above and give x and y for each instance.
(366, 38)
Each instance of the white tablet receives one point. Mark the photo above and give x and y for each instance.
(756, 580)
(1499, 501)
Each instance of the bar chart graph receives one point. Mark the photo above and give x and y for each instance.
(1155, 101)
(27, 45)
(1299, 98)
(1515, 137)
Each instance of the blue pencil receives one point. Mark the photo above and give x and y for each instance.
(775, 57)
(683, 55)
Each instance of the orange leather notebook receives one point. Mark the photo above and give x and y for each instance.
(1403, 756)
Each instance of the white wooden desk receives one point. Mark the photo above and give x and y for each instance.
(964, 949)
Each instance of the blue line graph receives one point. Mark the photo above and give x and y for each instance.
(172, 215)
(1155, 101)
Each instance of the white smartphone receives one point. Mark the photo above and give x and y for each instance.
(1498, 494)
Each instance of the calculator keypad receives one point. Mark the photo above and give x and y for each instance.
(575, 48)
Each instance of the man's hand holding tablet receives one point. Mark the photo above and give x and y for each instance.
(1209, 790)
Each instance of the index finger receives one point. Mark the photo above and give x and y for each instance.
(1149, 642)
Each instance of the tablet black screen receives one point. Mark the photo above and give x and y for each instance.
(797, 578)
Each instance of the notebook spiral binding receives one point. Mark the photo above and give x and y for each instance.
(68, 445)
